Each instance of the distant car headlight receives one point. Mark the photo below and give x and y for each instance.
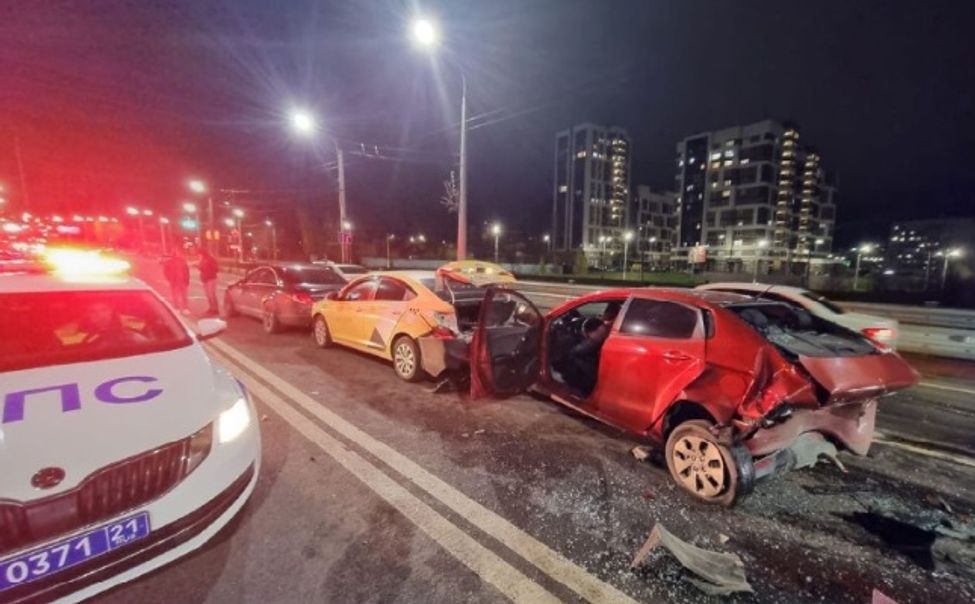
(232, 422)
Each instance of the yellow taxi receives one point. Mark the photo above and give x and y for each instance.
(412, 318)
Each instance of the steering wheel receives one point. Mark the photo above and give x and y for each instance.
(589, 325)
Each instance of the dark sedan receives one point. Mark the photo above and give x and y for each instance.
(281, 296)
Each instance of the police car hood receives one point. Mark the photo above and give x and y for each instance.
(84, 416)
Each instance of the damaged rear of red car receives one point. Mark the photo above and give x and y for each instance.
(735, 388)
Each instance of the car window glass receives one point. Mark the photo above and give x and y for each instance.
(52, 328)
(360, 291)
(312, 276)
(391, 289)
(659, 319)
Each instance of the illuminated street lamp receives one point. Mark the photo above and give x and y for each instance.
(762, 244)
(189, 207)
(425, 34)
(627, 238)
(956, 252)
(199, 187)
(229, 222)
(548, 241)
(274, 239)
(496, 231)
(238, 215)
(304, 124)
(864, 248)
(163, 234)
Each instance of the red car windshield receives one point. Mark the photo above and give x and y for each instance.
(54, 328)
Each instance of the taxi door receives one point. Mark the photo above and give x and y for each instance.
(385, 311)
(347, 315)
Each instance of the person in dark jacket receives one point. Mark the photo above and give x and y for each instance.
(177, 273)
(208, 276)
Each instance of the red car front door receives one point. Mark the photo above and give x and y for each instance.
(657, 350)
(506, 346)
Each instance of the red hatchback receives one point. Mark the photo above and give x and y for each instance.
(735, 388)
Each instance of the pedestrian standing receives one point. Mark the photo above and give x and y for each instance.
(208, 276)
(177, 272)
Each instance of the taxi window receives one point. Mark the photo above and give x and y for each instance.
(55, 328)
(361, 291)
(391, 289)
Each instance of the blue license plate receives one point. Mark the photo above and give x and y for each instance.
(50, 559)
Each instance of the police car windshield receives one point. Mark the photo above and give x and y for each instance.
(40, 329)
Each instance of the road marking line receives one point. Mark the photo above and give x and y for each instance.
(959, 459)
(486, 564)
(947, 387)
(545, 558)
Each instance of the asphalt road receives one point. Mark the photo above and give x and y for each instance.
(373, 490)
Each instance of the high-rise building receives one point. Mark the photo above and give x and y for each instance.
(654, 224)
(753, 194)
(591, 198)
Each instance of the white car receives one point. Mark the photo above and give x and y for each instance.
(882, 330)
(123, 446)
(346, 271)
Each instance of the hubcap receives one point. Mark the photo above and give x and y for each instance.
(321, 331)
(699, 466)
(404, 359)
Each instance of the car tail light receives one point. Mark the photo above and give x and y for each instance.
(301, 297)
(880, 335)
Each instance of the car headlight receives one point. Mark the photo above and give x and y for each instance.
(232, 422)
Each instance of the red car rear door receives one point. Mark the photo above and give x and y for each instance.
(507, 344)
(656, 350)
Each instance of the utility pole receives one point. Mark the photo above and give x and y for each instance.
(389, 261)
(210, 227)
(343, 217)
(462, 205)
(23, 176)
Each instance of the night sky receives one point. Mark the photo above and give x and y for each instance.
(121, 102)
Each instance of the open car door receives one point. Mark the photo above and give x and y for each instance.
(507, 344)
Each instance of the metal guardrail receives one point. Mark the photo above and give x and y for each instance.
(936, 331)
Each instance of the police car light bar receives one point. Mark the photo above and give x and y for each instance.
(70, 263)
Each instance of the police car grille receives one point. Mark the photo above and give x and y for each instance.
(102, 495)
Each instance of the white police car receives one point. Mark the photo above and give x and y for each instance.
(123, 446)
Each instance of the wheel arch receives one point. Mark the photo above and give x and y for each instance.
(682, 411)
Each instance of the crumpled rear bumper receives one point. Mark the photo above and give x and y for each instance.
(851, 425)
(438, 354)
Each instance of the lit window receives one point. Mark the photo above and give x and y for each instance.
(729, 143)
(744, 161)
(729, 153)
(728, 162)
(726, 193)
(716, 155)
(727, 183)
(563, 188)
(716, 165)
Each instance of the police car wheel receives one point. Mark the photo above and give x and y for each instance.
(270, 321)
(406, 359)
(323, 339)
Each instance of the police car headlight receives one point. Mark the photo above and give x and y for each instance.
(233, 421)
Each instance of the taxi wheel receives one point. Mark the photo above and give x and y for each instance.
(700, 465)
(323, 339)
(229, 308)
(270, 321)
(406, 359)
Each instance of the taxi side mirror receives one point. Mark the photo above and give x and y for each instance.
(209, 328)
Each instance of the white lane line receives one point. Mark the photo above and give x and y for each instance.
(486, 564)
(947, 387)
(959, 459)
(545, 558)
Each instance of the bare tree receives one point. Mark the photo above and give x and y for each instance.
(451, 197)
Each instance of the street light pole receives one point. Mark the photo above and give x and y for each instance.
(238, 214)
(462, 168)
(343, 218)
(163, 227)
(627, 236)
(389, 261)
(758, 258)
(948, 254)
(496, 231)
(861, 249)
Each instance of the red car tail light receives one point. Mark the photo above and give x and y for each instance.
(301, 297)
(880, 335)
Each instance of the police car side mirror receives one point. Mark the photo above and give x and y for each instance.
(209, 328)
